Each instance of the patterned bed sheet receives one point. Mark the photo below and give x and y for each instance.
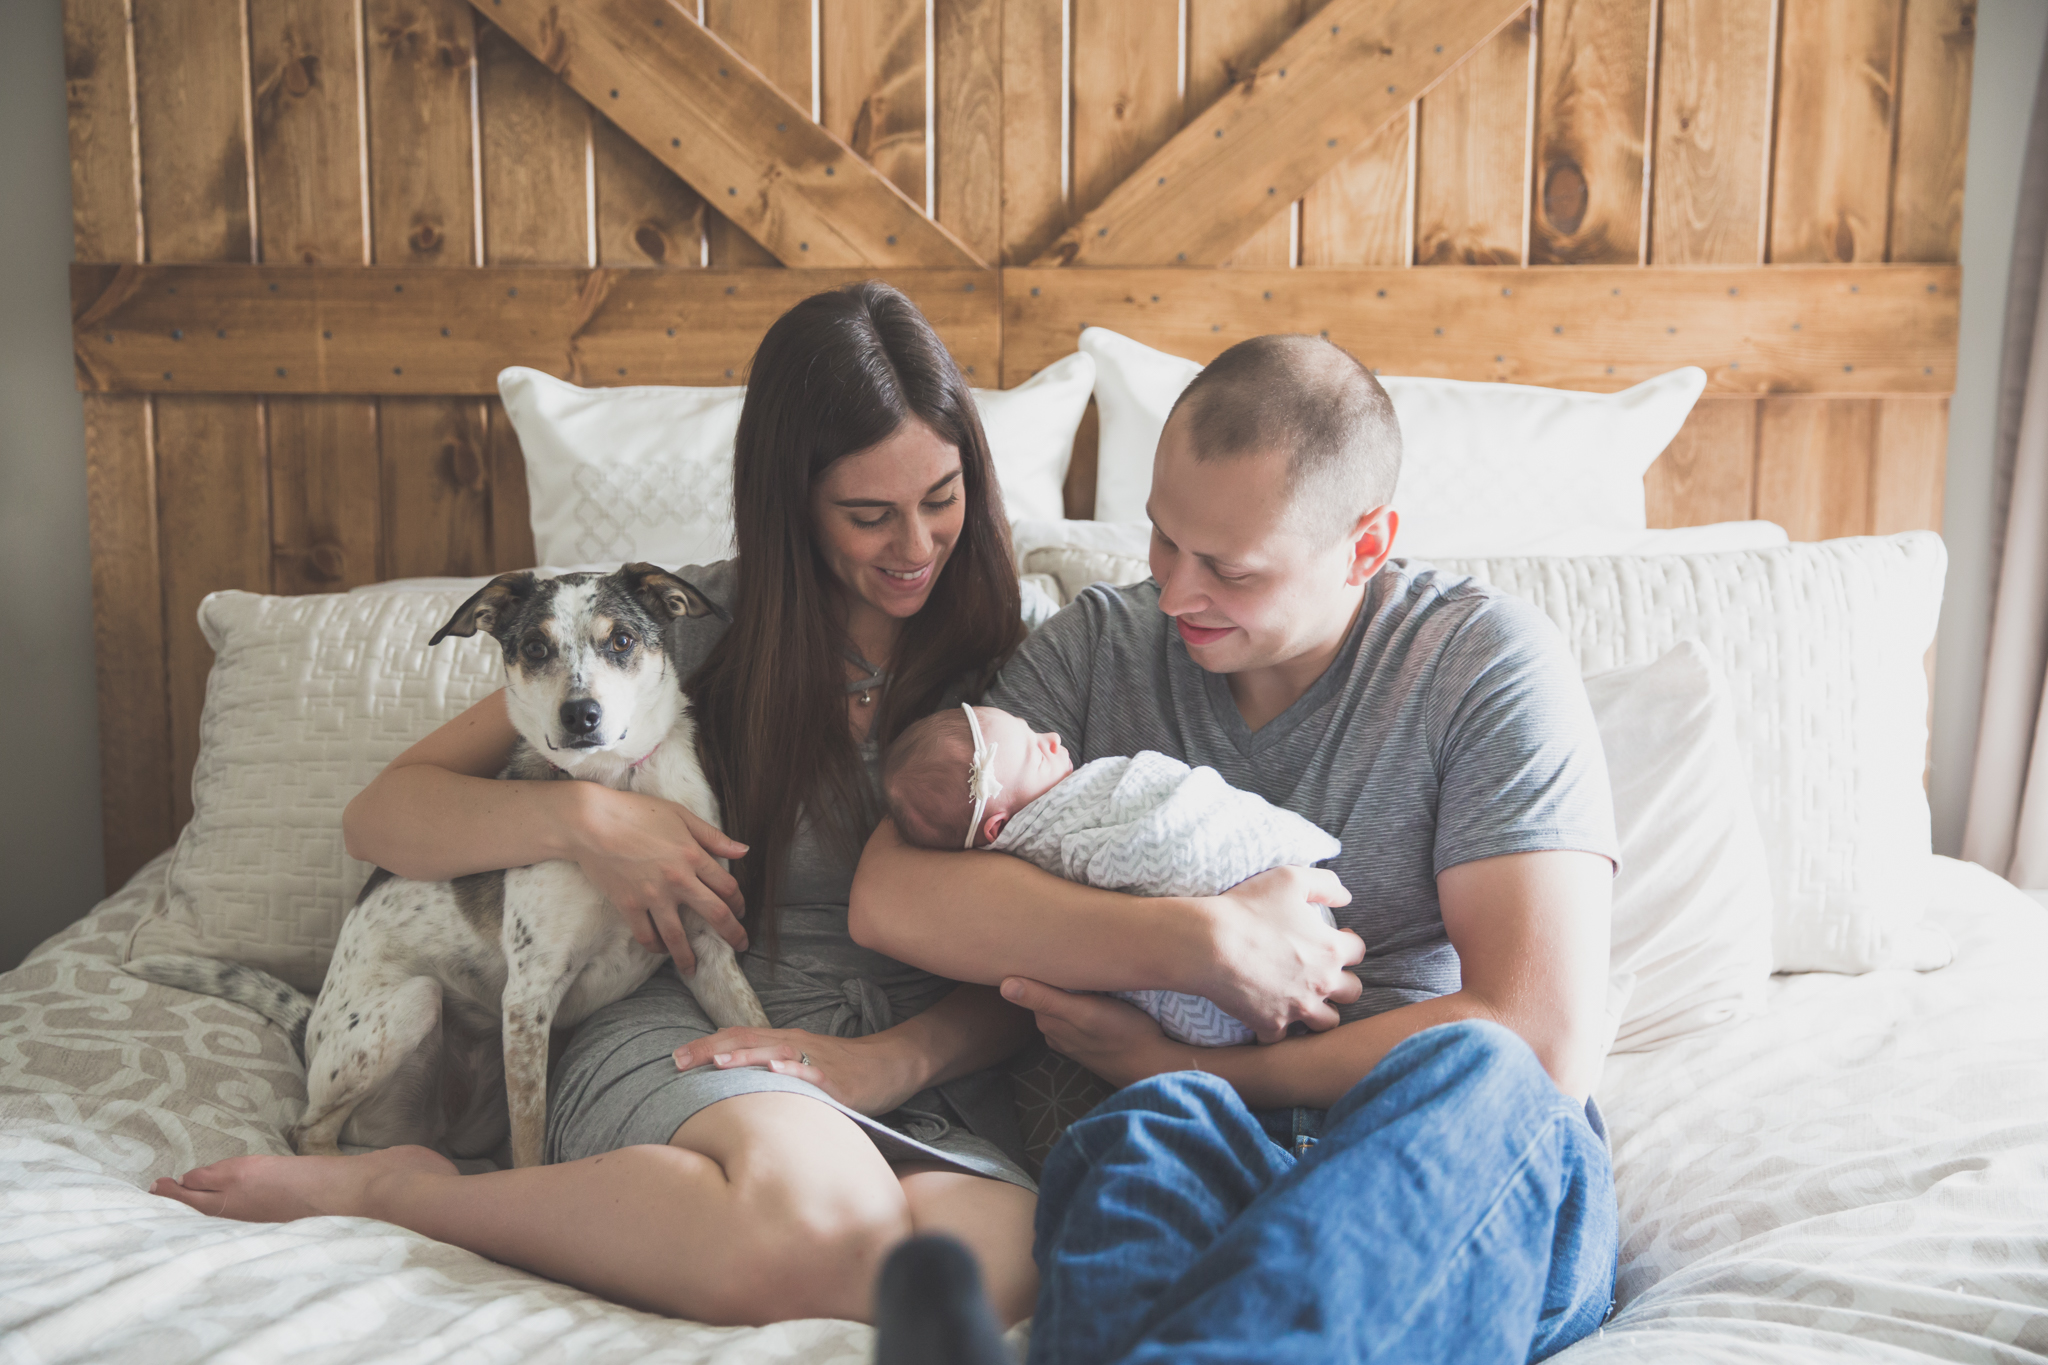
(1860, 1173)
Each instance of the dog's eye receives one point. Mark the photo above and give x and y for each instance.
(621, 641)
(535, 650)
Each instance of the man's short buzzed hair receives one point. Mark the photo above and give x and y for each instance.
(1312, 400)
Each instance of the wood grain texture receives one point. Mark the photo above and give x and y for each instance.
(1708, 472)
(1813, 465)
(1592, 103)
(1814, 329)
(369, 330)
(1908, 464)
(324, 494)
(511, 509)
(1831, 174)
(645, 215)
(1713, 130)
(1034, 194)
(213, 511)
(1126, 100)
(872, 68)
(100, 104)
(1471, 153)
(968, 40)
(422, 200)
(309, 195)
(1307, 106)
(715, 120)
(535, 133)
(136, 819)
(436, 515)
(195, 144)
(1227, 39)
(1934, 130)
(1358, 213)
(774, 35)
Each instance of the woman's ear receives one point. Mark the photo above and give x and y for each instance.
(993, 826)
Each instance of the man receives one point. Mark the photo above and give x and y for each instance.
(1419, 1174)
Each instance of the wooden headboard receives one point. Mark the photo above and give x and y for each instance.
(310, 233)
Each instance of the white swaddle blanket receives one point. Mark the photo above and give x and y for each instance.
(1153, 826)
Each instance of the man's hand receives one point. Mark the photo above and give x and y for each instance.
(1278, 958)
(1117, 1041)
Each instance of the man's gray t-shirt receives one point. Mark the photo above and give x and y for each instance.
(1452, 726)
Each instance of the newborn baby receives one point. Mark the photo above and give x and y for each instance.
(979, 777)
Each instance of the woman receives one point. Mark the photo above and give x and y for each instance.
(753, 1175)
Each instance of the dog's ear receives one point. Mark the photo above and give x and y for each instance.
(490, 608)
(667, 596)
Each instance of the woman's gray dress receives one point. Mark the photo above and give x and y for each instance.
(617, 1083)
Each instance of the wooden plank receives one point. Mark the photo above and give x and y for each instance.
(214, 527)
(136, 819)
(1309, 105)
(195, 144)
(1035, 111)
(324, 493)
(1934, 129)
(1471, 151)
(1226, 40)
(535, 134)
(1708, 472)
(1813, 465)
(511, 509)
(436, 479)
(1358, 214)
(1908, 465)
(1126, 104)
(1713, 132)
(967, 42)
(99, 100)
(871, 68)
(645, 215)
(309, 195)
(1831, 177)
(371, 330)
(422, 185)
(1806, 329)
(716, 121)
(1592, 100)
(775, 35)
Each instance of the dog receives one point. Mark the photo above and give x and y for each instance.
(437, 991)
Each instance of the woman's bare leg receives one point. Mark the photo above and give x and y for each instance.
(992, 1217)
(762, 1208)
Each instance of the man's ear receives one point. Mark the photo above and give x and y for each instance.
(668, 596)
(1372, 543)
(490, 608)
(993, 826)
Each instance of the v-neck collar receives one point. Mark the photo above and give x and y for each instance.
(1223, 707)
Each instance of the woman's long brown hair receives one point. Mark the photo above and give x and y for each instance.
(836, 374)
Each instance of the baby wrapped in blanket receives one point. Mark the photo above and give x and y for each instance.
(1150, 825)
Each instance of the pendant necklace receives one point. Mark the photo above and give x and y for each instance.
(866, 685)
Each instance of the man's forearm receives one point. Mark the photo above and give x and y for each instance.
(985, 916)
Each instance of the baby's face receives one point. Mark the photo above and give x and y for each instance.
(1027, 763)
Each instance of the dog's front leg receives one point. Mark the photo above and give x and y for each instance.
(719, 983)
(534, 989)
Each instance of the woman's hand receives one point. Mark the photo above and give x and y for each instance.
(651, 856)
(1117, 1041)
(1278, 958)
(861, 1073)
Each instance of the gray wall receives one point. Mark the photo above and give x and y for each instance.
(50, 796)
(49, 802)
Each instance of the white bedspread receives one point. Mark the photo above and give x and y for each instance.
(1860, 1173)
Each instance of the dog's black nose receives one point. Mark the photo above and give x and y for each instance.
(581, 716)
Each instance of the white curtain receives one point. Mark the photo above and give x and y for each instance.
(2007, 827)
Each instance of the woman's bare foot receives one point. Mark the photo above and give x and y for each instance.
(277, 1189)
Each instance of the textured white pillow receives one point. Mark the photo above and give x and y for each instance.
(1823, 647)
(1486, 468)
(1692, 903)
(646, 472)
(309, 698)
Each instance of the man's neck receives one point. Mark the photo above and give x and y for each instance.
(1262, 694)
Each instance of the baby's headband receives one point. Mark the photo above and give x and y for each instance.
(981, 774)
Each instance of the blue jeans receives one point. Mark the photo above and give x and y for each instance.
(1456, 1207)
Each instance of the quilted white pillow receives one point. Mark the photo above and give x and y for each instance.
(646, 472)
(1692, 903)
(309, 698)
(1486, 468)
(1822, 645)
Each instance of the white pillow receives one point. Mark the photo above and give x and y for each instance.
(1692, 902)
(1823, 646)
(645, 472)
(1486, 468)
(309, 698)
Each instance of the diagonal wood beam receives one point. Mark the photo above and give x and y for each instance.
(711, 117)
(1304, 109)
